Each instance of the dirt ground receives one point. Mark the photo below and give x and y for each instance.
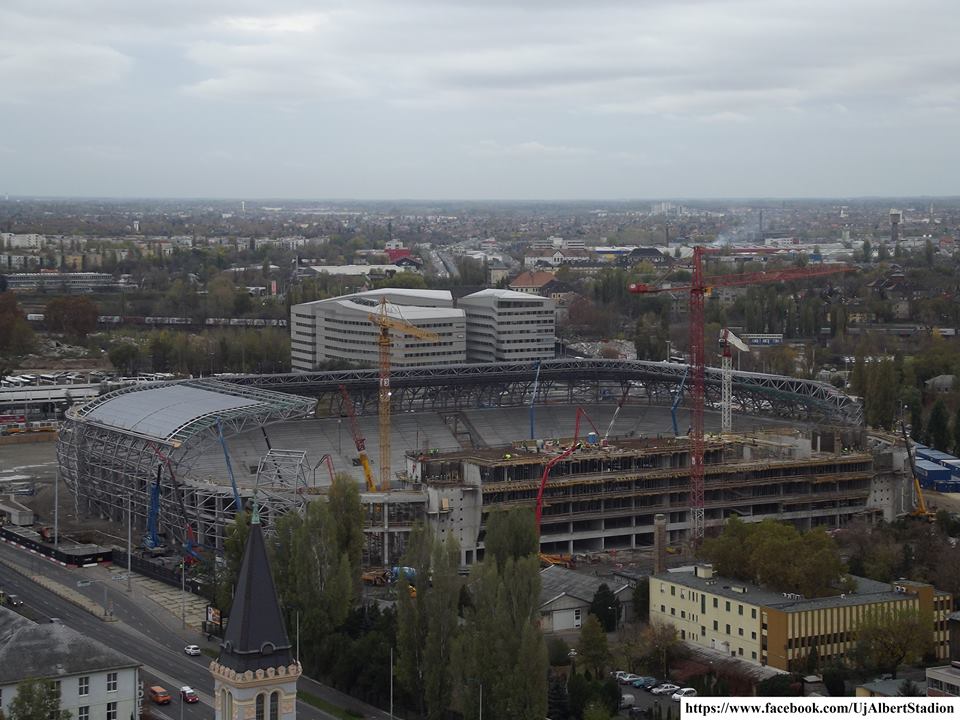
(37, 462)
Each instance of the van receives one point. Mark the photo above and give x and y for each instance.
(158, 695)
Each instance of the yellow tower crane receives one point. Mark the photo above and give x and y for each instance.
(386, 323)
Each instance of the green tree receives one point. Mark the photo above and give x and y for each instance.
(834, 679)
(346, 514)
(501, 645)
(410, 280)
(592, 647)
(558, 651)
(867, 252)
(908, 688)
(888, 638)
(233, 544)
(125, 357)
(606, 607)
(596, 710)
(37, 699)
(938, 426)
(511, 534)
(641, 600)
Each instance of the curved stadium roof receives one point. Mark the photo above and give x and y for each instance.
(173, 412)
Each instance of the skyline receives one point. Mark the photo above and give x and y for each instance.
(365, 101)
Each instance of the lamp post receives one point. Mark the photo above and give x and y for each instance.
(183, 593)
(129, 540)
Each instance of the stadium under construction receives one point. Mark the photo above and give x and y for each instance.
(470, 439)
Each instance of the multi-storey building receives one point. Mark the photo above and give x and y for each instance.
(506, 326)
(94, 682)
(69, 282)
(606, 496)
(783, 629)
(340, 329)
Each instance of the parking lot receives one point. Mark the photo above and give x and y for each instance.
(645, 700)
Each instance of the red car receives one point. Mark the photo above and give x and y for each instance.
(188, 694)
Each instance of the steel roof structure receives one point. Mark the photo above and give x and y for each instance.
(110, 449)
(512, 384)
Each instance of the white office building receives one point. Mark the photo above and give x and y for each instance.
(508, 326)
(340, 329)
(94, 681)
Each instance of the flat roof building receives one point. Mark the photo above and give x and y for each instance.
(778, 629)
(508, 326)
(340, 329)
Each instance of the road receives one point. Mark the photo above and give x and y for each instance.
(140, 635)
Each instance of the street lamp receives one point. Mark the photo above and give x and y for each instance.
(480, 683)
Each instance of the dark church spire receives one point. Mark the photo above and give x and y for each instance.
(255, 638)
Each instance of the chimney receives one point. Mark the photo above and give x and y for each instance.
(659, 543)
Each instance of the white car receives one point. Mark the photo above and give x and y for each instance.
(192, 650)
(628, 678)
(685, 692)
(665, 689)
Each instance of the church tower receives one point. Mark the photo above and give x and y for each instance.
(255, 675)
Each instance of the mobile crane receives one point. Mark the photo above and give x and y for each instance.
(358, 439)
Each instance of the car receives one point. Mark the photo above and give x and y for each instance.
(192, 649)
(14, 600)
(682, 693)
(158, 695)
(665, 689)
(189, 695)
(56, 621)
(617, 674)
(639, 712)
(646, 683)
(628, 679)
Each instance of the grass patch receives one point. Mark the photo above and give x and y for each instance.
(210, 652)
(328, 707)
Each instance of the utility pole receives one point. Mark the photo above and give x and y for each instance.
(183, 593)
(129, 540)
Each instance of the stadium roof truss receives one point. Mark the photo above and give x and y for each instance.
(110, 448)
(564, 380)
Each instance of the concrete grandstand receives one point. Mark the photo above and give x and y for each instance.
(111, 448)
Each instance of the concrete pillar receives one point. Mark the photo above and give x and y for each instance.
(659, 543)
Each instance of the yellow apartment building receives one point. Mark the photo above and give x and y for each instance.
(782, 629)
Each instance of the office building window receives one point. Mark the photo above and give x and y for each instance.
(715, 626)
(739, 609)
(728, 629)
(728, 605)
(83, 712)
(740, 631)
(83, 686)
(111, 682)
(111, 711)
(753, 613)
(715, 602)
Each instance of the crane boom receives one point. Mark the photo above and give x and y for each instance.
(922, 509)
(697, 289)
(616, 412)
(359, 440)
(386, 323)
(574, 446)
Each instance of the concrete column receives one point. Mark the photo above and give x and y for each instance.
(659, 543)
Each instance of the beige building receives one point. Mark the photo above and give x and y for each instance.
(781, 629)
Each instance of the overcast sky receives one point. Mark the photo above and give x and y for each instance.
(479, 99)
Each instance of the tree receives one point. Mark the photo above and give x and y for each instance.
(558, 651)
(834, 679)
(867, 252)
(908, 688)
(596, 710)
(403, 280)
(888, 638)
(662, 644)
(606, 607)
(938, 426)
(501, 645)
(592, 647)
(233, 545)
(641, 600)
(511, 534)
(16, 335)
(37, 699)
(956, 432)
(346, 514)
(125, 357)
(74, 316)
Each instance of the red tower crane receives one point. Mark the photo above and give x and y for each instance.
(697, 289)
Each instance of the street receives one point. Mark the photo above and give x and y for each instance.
(139, 634)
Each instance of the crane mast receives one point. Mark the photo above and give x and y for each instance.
(383, 321)
(697, 290)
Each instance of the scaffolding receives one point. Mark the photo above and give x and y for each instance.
(108, 450)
